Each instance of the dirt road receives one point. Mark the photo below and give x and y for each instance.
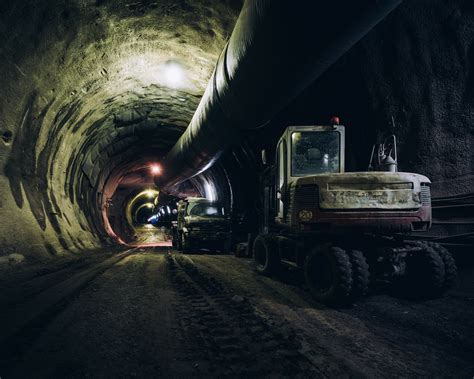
(156, 313)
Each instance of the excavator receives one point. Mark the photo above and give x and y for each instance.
(346, 230)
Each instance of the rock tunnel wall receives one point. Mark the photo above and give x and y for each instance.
(85, 92)
(417, 67)
(83, 100)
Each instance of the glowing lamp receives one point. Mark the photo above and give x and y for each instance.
(174, 75)
(150, 194)
(335, 120)
(155, 169)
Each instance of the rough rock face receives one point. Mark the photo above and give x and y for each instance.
(92, 90)
(417, 67)
(89, 87)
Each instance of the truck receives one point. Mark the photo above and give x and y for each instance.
(201, 223)
(345, 230)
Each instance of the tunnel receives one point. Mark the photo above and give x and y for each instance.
(112, 112)
(99, 92)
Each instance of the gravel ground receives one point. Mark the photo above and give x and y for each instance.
(158, 313)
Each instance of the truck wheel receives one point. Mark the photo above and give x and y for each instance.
(265, 255)
(424, 276)
(450, 268)
(184, 243)
(174, 241)
(328, 274)
(360, 274)
(179, 245)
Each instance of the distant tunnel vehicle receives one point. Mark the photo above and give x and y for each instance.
(338, 227)
(202, 223)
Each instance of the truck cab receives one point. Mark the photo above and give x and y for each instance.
(201, 223)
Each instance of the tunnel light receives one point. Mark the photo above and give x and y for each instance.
(210, 191)
(152, 69)
(153, 219)
(155, 169)
(151, 193)
(174, 75)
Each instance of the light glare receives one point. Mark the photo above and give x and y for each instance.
(155, 169)
(150, 194)
(150, 69)
(173, 75)
(210, 191)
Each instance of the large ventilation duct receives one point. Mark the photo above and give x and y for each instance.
(276, 50)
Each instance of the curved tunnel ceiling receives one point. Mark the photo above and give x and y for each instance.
(94, 91)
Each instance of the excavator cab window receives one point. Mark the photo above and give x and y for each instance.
(315, 152)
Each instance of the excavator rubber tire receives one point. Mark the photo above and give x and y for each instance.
(328, 275)
(265, 255)
(360, 274)
(450, 267)
(424, 277)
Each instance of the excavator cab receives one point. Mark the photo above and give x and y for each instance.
(313, 191)
(315, 152)
(306, 151)
(310, 150)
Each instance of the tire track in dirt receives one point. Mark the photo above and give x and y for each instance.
(357, 340)
(236, 340)
(24, 321)
(122, 324)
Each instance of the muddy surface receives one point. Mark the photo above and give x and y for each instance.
(158, 313)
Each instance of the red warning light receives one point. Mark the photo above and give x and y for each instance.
(335, 120)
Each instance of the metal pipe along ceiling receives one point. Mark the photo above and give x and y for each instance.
(276, 50)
